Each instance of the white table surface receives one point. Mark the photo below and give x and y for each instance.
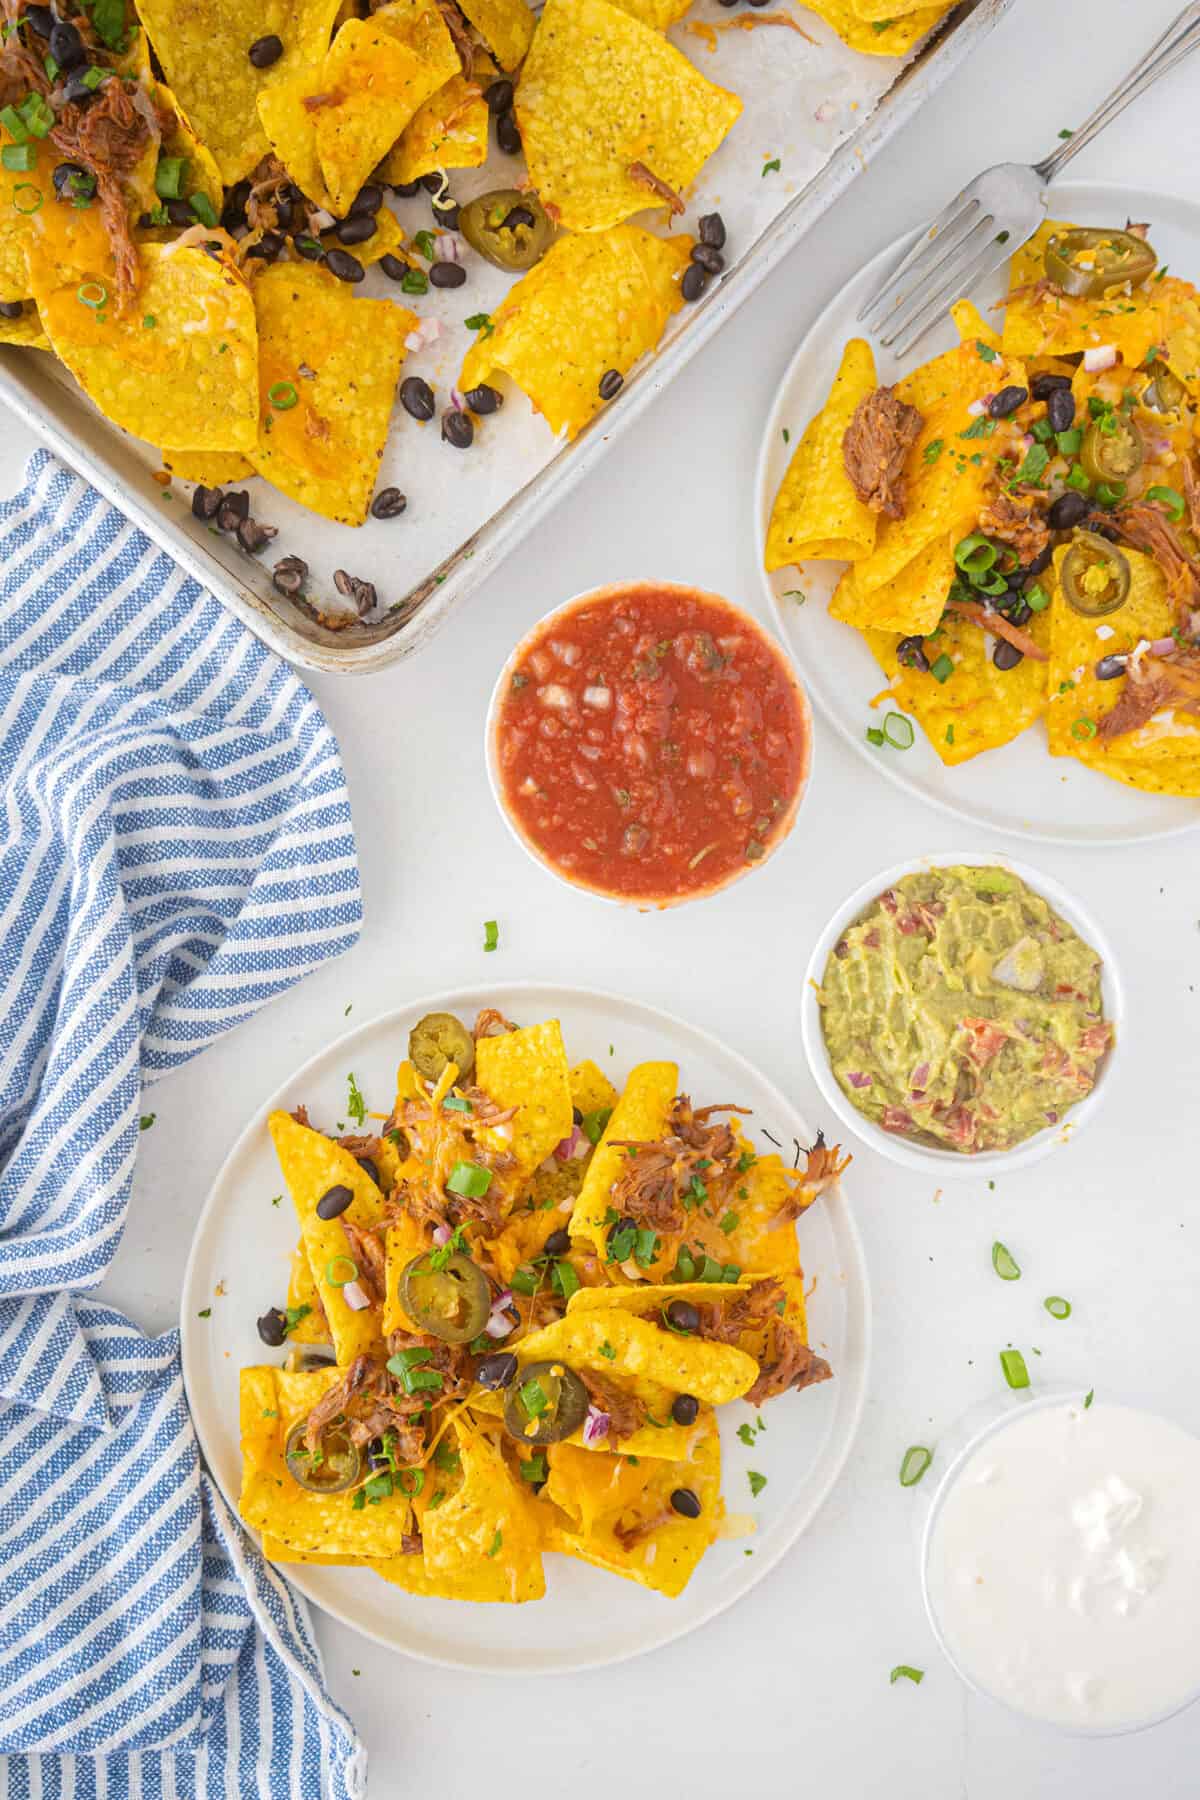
(789, 1691)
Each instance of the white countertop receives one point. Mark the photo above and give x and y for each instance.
(789, 1691)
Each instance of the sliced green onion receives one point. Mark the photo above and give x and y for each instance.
(534, 1468)
(34, 205)
(1171, 498)
(202, 206)
(1083, 728)
(898, 731)
(1015, 1372)
(282, 395)
(92, 293)
(731, 1273)
(975, 554)
(416, 281)
(456, 1103)
(1070, 443)
(534, 1398)
(334, 1268)
(942, 669)
(491, 934)
(1057, 1307)
(408, 1359)
(1088, 1398)
(645, 1246)
(51, 67)
(1005, 1263)
(168, 177)
(1042, 430)
(14, 124)
(411, 1481)
(875, 736)
(917, 1459)
(906, 1672)
(470, 1180)
(1109, 492)
(38, 115)
(524, 1280)
(1078, 480)
(419, 1381)
(20, 158)
(91, 78)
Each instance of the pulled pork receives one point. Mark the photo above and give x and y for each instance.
(626, 1414)
(651, 1187)
(654, 184)
(491, 1023)
(999, 626)
(749, 1310)
(794, 1365)
(369, 1402)
(370, 1260)
(823, 1165)
(791, 1364)
(875, 446)
(1147, 528)
(107, 138)
(1152, 683)
(1016, 522)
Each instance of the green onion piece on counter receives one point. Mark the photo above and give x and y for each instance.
(491, 934)
(1015, 1372)
(1005, 1263)
(875, 736)
(916, 1461)
(906, 1672)
(1057, 1307)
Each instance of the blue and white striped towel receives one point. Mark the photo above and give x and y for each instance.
(175, 849)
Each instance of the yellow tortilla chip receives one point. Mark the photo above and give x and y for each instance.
(312, 1164)
(271, 1401)
(26, 330)
(448, 131)
(506, 27)
(527, 1069)
(894, 35)
(202, 45)
(978, 707)
(646, 1301)
(201, 174)
(912, 602)
(325, 450)
(67, 238)
(657, 14)
(1055, 324)
(640, 1115)
(592, 304)
(817, 515)
(208, 468)
(179, 367)
(600, 92)
(375, 83)
(419, 24)
(304, 1301)
(591, 1090)
(292, 134)
(487, 1529)
(600, 1499)
(1176, 775)
(971, 325)
(644, 1349)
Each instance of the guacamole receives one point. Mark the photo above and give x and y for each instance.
(962, 1012)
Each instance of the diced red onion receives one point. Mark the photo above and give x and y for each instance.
(445, 248)
(570, 1146)
(858, 1079)
(354, 1296)
(442, 1235)
(498, 1323)
(919, 1076)
(824, 112)
(978, 407)
(1104, 356)
(1164, 646)
(1053, 1117)
(457, 401)
(596, 1425)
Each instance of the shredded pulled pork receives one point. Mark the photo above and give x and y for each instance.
(365, 1144)
(999, 626)
(370, 1259)
(107, 138)
(724, 1322)
(460, 35)
(794, 1365)
(1152, 683)
(337, 1400)
(1191, 492)
(876, 443)
(651, 1187)
(626, 1414)
(1016, 521)
(369, 1401)
(1147, 528)
(300, 1114)
(823, 1165)
(491, 1023)
(791, 1364)
(654, 184)
(630, 1536)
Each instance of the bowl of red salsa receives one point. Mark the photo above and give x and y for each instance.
(649, 742)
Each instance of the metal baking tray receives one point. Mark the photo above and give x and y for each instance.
(821, 110)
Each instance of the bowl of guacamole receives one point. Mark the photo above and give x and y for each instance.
(962, 1012)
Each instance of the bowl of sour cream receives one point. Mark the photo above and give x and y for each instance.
(1060, 1563)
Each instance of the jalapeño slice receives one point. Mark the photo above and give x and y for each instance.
(333, 1468)
(450, 1300)
(508, 228)
(546, 1403)
(437, 1039)
(1112, 449)
(1086, 263)
(1095, 575)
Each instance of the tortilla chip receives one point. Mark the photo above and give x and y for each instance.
(273, 1502)
(201, 174)
(972, 327)
(527, 1069)
(643, 1350)
(179, 367)
(646, 1301)
(894, 35)
(657, 14)
(817, 515)
(599, 92)
(591, 1090)
(376, 83)
(32, 217)
(419, 24)
(978, 707)
(912, 602)
(506, 27)
(304, 1301)
(593, 1493)
(208, 468)
(640, 1115)
(448, 131)
(26, 330)
(1177, 775)
(1057, 325)
(292, 134)
(487, 1530)
(591, 304)
(312, 1164)
(325, 451)
(202, 44)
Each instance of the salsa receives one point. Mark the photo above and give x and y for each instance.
(961, 1011)
(652, 743)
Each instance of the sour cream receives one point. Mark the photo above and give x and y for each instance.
(1062, 1565)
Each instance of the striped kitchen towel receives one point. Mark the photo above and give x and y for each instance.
(176, 848)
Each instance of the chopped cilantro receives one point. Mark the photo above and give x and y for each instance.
(934, 449)
(987, 354)
(772, 167)
(146, 1121)
(757, 1482)
(356, 1106)
(205, 1314)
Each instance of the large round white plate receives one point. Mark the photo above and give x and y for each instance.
(1020, 788)
(239, 1266)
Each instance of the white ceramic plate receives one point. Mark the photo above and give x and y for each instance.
(1019, 789)
(242, 1245)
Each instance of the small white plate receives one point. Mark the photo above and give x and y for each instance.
(928, 1159)
(1020, 788)
(239, 1266)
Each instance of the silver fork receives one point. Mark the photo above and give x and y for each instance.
(1000, 210)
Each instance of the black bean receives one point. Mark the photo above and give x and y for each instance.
(760, 2)
(356, 229)
(499, 97)
(416, 397)
(1109, 667)
(576, 1116)
(1016, 609)
(206, 502)
(685, 1503)
(1042, 386)
(1006, 655)
(683, 1315)
(353, 587)
(388, 503)
(910, 651)
(290, 575)
(712, 230)
(232, 510)
(433, 183)
(728, 2)
(558, 1243)
(254, 536)
(611, 383)
(508, 135)
(39, 19)
(369, 199)
(393, 268)
(484, 399)
(344, 266)
(180, 213)
(78, 91)
(368, 1167)
(1100, 525)
(1007, 401)
(1067, 511)
(404, 190)
(66, 46)
(333, 1202)
(272, 1327)
(685, 1409)
(11, 309)
(310, 248)
(266, 50)
(72, 181)
(233, 213)
(1040, 562)
(519, 215)
(445, 213)
(285, 213)
(496, 1371)
(1060, 409)
(314, 1359)
(695, 280)
(446, 275)
(458, 429)
(707, 258)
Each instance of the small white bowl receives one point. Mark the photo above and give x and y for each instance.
(928, 1159)
(643, 903)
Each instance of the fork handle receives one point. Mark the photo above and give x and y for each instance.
(1180, 38)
